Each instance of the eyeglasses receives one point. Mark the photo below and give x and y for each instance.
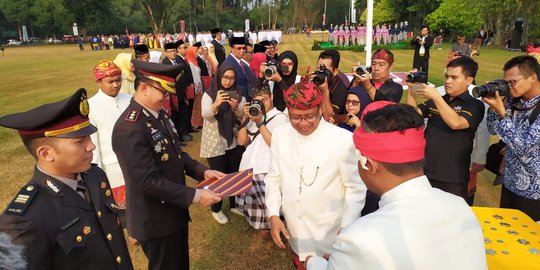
(352, 102)
(513, 83)
(170, 51)
(264, 99)
(164, 92)
(243, 48)
(227, 78)
(299, 118)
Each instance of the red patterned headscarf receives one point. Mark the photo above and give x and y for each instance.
(303, 95)
(106, 68)
(383, 55)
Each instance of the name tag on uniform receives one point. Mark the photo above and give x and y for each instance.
(157, 136)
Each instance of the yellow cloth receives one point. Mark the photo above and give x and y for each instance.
(512, 239)
(123, 60)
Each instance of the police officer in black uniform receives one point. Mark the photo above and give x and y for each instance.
(65, 216)
(154, 166)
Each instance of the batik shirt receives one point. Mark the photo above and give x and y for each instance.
(521, 173)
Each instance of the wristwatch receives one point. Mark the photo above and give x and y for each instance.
(260, 124)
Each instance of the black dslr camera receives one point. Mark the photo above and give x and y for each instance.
(272, 67)
(256, 108)
(321, 74)
(361, 71)
(417, 77)
(489, 89)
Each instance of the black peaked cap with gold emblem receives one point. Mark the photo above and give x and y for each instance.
(165, 75)
(67, 118)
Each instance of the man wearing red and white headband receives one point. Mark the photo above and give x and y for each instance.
(312, 177)
(106, 106)
(416, 226)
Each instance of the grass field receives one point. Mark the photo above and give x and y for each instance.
(30, 76)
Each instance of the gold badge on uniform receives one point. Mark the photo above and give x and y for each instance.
(103, 185)
(165, 157)
(108, 193)
(29, 188)
(86, 230)
(78, 238)
(148, 124)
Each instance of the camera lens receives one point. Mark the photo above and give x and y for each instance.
(254, 110)
(269, 71)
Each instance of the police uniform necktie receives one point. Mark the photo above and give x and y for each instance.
(174, 62)
(82, 189)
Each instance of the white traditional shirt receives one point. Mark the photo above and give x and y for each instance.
(416, 227)
(104, 111)
(314, 180)
(257, 154)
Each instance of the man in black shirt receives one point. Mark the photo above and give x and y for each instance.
(452, 122)
(333, 90)
(378, 83)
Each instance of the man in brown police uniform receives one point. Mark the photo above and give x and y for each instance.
(65, 217)
(154, 166)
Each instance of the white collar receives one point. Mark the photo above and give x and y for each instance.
(409, 188)
(107, 97)
(72, 183)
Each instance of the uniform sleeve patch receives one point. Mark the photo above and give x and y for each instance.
(132, 116)
(23, 199)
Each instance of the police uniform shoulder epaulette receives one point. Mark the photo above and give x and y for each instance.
(132, 116)
(23, 199)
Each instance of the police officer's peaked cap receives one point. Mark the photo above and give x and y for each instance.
(67, 118)
(165, 75)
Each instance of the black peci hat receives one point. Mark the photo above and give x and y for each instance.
(141, 49)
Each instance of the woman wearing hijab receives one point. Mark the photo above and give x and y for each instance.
(195, 97)
(255, 64)
(212, 57)
(282, 80)
(123, 60)
(221, 110)
(357, 100)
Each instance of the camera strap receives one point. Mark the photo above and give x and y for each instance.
(534, 114)
(255, 134)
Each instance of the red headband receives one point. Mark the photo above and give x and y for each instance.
(382, 55)
(390, 147)
(303, 96)
(106, 68)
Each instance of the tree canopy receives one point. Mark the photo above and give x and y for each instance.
(55, 17)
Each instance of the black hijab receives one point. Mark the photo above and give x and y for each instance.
(225, 116)
(288, 80)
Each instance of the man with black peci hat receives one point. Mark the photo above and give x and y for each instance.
(154, 166)
(218, 48)
(245, 79)
(65, 216)
(142, 53)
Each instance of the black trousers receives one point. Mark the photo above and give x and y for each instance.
(421, 63)
(227, 163)
(458, 189)
(169, 252)
(180, 119)
(189, 115)
(511, 200)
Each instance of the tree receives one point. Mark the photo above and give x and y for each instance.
(18, 12)
(456, 16)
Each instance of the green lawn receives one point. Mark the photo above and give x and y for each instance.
(31, 76)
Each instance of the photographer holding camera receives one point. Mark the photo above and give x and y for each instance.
(281, 76)
(332, 88)
(519, 128)
(377, 81)
(421, 49)
(452, 123)
(260, 118)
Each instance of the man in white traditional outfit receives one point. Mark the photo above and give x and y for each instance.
(416, 226)
(312, 177)
(105, 108)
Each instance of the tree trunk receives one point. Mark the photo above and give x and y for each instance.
(499, 35)
(153, 23)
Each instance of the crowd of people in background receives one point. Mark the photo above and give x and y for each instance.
(353, 34)
(331, 151)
